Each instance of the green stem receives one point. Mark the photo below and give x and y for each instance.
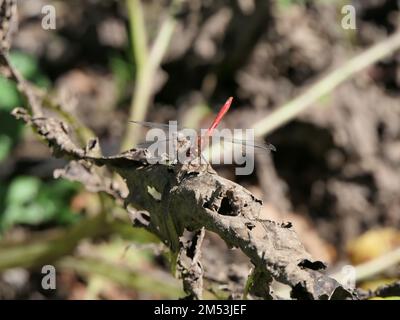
(304, 101)
(138, 33)
(145, 77)
(38, 252)
(292, 109)
(372, 268)
(137, 280)
(378, 265)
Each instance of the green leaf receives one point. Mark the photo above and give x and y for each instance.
(16, 213)
(5, 146)
(22, 190)
(42, 81)
(285, 4)
(28, 66)
(25, 64)
(29, 201)
(9, 97)
(122, 71)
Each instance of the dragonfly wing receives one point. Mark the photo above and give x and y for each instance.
(257, 145)
(162, 126)
(147, 124)
(147, 144)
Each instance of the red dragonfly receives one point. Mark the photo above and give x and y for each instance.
(184, 144)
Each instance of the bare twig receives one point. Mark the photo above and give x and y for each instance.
(23, 85)
(8, 23)
(83, 133)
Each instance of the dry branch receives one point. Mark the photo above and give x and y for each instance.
(192, 199)
(178, 202)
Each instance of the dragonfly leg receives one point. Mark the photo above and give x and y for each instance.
(209, 168)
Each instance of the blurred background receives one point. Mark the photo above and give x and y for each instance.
(335, 174)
